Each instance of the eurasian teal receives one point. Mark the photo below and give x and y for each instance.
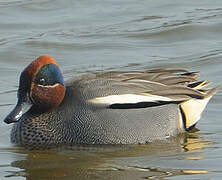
(104, 107)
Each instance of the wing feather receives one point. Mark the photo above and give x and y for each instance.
(151, 88)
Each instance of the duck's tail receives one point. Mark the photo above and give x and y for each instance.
(192, 108)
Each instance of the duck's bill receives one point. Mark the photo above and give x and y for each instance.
(20, 109)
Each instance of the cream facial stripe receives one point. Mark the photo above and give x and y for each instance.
(51, 86)
(128, 98)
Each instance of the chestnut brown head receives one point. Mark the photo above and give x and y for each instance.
(41, 85)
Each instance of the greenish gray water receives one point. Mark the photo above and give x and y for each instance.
(100, 35)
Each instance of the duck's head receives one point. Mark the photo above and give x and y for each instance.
(41, 86)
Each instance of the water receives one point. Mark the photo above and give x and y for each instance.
(102, 35)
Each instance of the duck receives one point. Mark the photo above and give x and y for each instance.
(113, 107)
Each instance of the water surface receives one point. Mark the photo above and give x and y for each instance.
(101, 35)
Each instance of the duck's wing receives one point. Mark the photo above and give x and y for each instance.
(155, 87)
(176, 84)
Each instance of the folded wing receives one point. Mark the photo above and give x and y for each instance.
(157, 87)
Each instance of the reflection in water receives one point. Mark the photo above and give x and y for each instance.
(194, 144)
(195, 171)
(115, 162)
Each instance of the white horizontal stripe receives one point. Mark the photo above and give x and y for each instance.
(128, 98)
(146, 81)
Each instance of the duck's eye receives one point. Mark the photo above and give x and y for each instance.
(49, 75)
(42, 81)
